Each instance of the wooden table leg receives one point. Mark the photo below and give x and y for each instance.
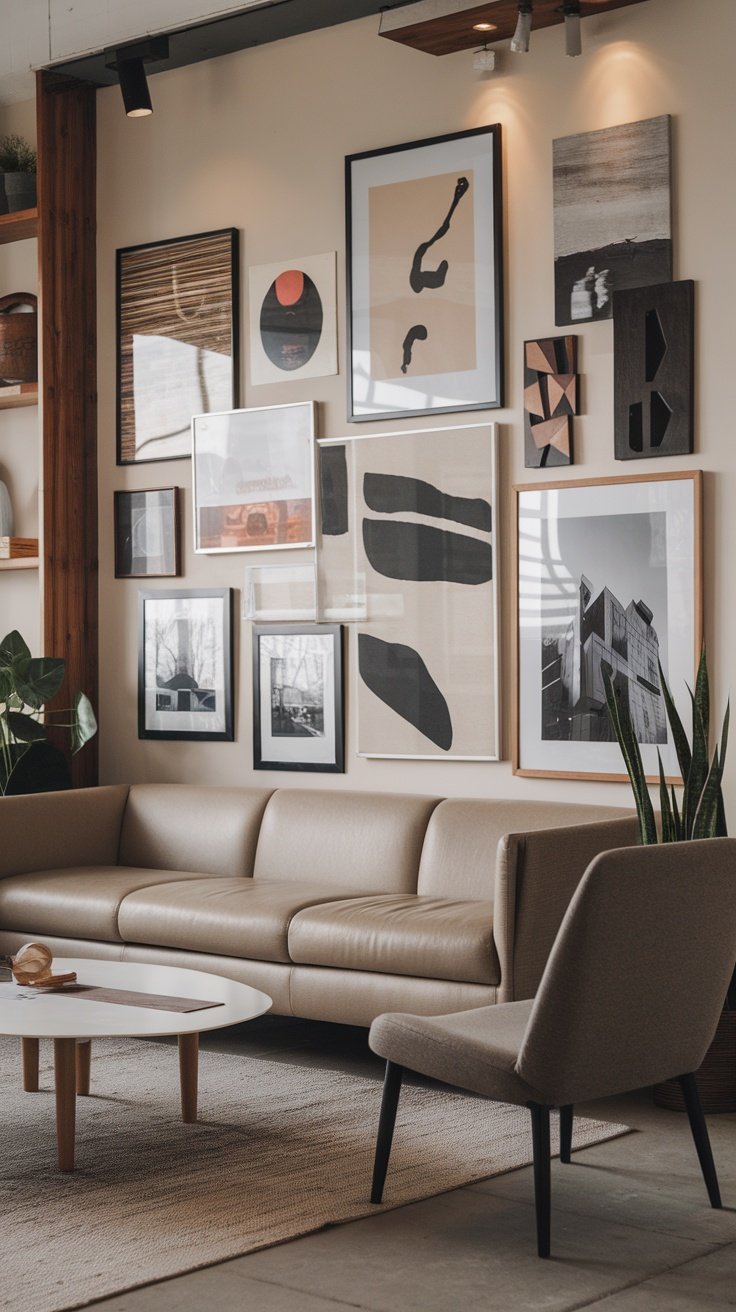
(66, 1100)
(29, 1063)
(188, 1073)
(84, 1062)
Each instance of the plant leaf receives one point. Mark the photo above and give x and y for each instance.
(621, 721)
(702, 699)
(699, 770)
(677, 817)
(668, 823)
(704, 822)
(13, 646)
(682, 746)
(42, 680)
(24, 728)
(85, 724)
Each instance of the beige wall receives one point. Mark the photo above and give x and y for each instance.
(257, 139)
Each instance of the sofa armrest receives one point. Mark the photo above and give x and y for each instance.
(44, 831)
(536, 875)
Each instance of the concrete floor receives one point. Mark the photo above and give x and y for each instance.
(632, 1230)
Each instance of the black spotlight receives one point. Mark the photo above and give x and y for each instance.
(573, 38)
(522, 35)
(129, 64)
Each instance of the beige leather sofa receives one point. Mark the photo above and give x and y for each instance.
(340, 905)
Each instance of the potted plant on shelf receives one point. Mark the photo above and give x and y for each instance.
(700, 813)
(29, 763)
(18, 169)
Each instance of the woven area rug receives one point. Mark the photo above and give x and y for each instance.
(281, 1150)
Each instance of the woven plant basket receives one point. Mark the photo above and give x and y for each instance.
(716, 1079)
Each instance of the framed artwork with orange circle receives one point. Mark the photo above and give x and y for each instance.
(293, 319)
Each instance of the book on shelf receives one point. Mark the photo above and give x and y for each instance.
(15, 548)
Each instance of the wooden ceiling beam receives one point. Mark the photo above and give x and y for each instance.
(447, 33)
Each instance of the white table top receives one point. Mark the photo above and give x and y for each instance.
(32, 1014)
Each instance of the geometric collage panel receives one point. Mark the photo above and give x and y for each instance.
(551, 398)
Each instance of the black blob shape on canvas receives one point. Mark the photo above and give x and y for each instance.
(333, 490)
(416, 334)
(391, 494)
(291, 320)
(653, 370)
(400, 550)
(421, 279)
(397, 675)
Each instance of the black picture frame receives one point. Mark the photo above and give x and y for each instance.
(195, 642)
(444, 387)
(205, 316)
(306, 730)
(144, 551)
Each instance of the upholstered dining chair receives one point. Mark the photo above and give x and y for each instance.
(630, 996)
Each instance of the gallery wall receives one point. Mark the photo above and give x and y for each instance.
(257, 141)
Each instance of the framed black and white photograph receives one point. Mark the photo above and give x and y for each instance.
(425, 298)
(185, 664)
(253, 478)
(612, 215)
(177, 341)
(298, 697)
(609, 575)
(147, 534)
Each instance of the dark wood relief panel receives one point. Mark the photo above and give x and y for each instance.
(452, 32)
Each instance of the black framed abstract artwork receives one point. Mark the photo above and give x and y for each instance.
(147, 536)
(612, 215)
(293, 319)
(408, 552)
(298, 697)
(551, 398)
(177, 341)
(425, 299)
(653, 370)
(185, 664)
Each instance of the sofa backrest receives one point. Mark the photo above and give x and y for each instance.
(463, 834)
(364, 842)
(50, 831)
(187, 827)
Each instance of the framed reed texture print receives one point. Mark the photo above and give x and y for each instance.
(609, 574)
(177, 341)
(298, 697)
(425, 300)
(253, 478)
(185, 664)
(147, 534)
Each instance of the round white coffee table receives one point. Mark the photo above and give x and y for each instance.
(72, 1022)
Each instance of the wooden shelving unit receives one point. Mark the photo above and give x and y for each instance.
(18, 394)
(19, 226)
(20, 562)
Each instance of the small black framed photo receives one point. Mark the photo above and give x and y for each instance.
(298, 697)
(185, 664)
(147, 534)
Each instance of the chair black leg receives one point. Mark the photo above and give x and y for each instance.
(542, 1175)
(566, 1132)
(389, 1104)
(700, 1136)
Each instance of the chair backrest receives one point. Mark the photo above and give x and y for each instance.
(636, 980)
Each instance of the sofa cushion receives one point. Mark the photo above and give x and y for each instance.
(188, 827)
(364, 842)
(77, 902)
(234, 917)
(437, 938)
(43, 831)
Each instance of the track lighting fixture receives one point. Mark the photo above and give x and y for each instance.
(129, 64)
(520, 39)
(573, 38)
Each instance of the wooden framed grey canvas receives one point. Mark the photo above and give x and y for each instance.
(612, 215)
(653, 370)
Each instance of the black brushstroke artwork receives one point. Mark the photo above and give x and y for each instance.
(333, 490)
(392, 494)
(401, 550)
(429, 279)
(397, 675)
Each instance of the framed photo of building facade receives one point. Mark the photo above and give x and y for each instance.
(177, 341)
(608, 572)
(298, 697)
(185, 664)
(253, 478)
(147, 534)
(425, 300)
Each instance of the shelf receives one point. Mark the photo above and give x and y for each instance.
(19, 226)
(20, 562)
(18, 394)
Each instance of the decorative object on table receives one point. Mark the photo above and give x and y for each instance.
(298, 698)
(185, 665)
(31, 966)
(147, 534)
(612, 215)
(551, 398)
(177, 340)
(17, 174)
(425, 298)
(253, 478)
(6, 518)
(409, 544)
(608, 572)
(28, 762)
(653, 370)
(18, 548)
(280, 592)
(700, 813)
(293, 319)
(18, 338)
